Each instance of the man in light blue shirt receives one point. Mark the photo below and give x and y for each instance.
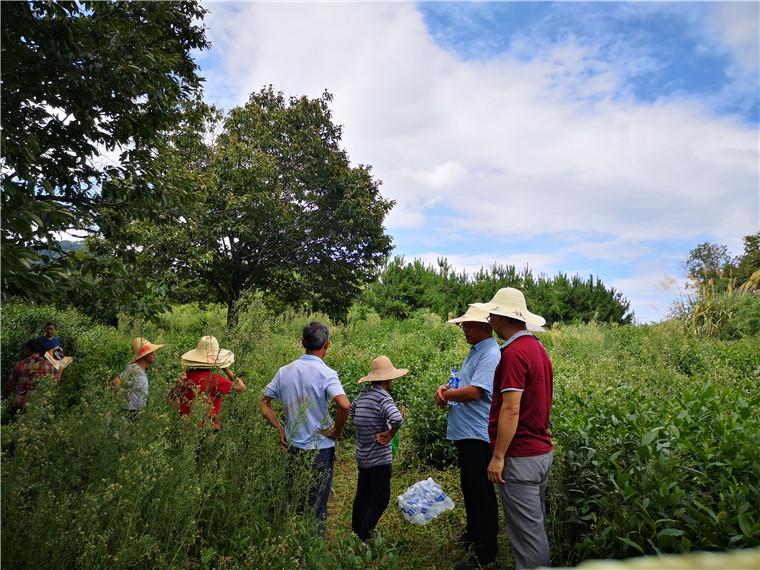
(468, 407)
(304, 388)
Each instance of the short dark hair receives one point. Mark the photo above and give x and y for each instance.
(315, 335)
(51, 323)
(34, 346)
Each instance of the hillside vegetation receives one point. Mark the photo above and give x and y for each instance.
(654, 427)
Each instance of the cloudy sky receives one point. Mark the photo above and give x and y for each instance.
(589, 138)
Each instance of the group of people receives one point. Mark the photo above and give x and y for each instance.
(31, 368)
(499, 423)
(498, 419)
(198, 380)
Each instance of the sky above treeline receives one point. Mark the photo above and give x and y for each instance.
(590, 138)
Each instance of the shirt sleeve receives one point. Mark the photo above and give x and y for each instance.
(333, 387)
(272, 389)
(482, 377)
(223, 384)
(392, 414)
(514, 372)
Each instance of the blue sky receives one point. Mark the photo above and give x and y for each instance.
(590, 138)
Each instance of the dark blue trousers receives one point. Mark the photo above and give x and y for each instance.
(321, 463)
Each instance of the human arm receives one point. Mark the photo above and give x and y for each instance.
(394, 420)
(265, 406)
(341, 417)
(462, 395)
(237, 382)
(507, 426)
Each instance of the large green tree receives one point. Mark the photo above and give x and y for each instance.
(90, 91)
(279, 209)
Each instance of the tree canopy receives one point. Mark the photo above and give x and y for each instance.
(278, 208)
(89, 91)
(711, 263)
(404, 287)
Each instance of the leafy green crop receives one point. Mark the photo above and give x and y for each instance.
(655, 430)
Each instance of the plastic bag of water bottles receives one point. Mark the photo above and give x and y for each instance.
(424, 501)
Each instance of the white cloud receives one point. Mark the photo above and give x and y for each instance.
(651, 294)
(737, 25)
(471, 264)
(512, 147)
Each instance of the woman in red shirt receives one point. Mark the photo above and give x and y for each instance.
(200, 380)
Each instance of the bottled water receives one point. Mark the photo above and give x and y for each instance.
(454, 383)
(423, 502)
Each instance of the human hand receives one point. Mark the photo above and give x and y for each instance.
(331, 433)
(384, 437)
(495, 470)
(439, 399)
(239, 384)
(283, 439)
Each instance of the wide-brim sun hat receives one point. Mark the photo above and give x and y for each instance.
(473, 315)
(142, 347)
(383, 369)
(208, 355)
(510, 302)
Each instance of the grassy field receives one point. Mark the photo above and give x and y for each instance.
(655, 432)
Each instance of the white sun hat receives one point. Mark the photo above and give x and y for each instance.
(510, 302)
(208, 355)
(473, 315)
(383, 369)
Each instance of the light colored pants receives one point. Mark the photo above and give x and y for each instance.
(522, 497)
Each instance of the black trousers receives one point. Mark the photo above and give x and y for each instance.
(373, 491)
(479, 497)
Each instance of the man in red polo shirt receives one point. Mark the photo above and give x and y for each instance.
(518, 426)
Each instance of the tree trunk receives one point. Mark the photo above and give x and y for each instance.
(232, 312)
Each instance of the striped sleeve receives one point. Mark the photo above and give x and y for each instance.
(392, 414)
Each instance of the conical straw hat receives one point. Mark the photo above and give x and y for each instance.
(142, 347)
(208, 355)
(383, 369)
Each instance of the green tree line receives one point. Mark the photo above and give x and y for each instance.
(404, 287)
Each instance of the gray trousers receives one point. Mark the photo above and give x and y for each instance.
(522, 497)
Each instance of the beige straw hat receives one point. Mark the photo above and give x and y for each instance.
(142, 347)
(383, 369)
(510, 302)
(208, 355)
(473, 315)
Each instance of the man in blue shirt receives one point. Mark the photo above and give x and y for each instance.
(50, 339)
(468, 408)
(304, 388)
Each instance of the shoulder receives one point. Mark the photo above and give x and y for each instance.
(490, 352)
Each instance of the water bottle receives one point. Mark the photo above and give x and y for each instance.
(454, 383)
(423, 502)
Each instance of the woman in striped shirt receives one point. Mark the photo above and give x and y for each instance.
(376, 420)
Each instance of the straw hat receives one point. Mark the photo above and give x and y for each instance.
(473, 315)
(383, 369)
(208, 355)
(510, 302)
(142, 347)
